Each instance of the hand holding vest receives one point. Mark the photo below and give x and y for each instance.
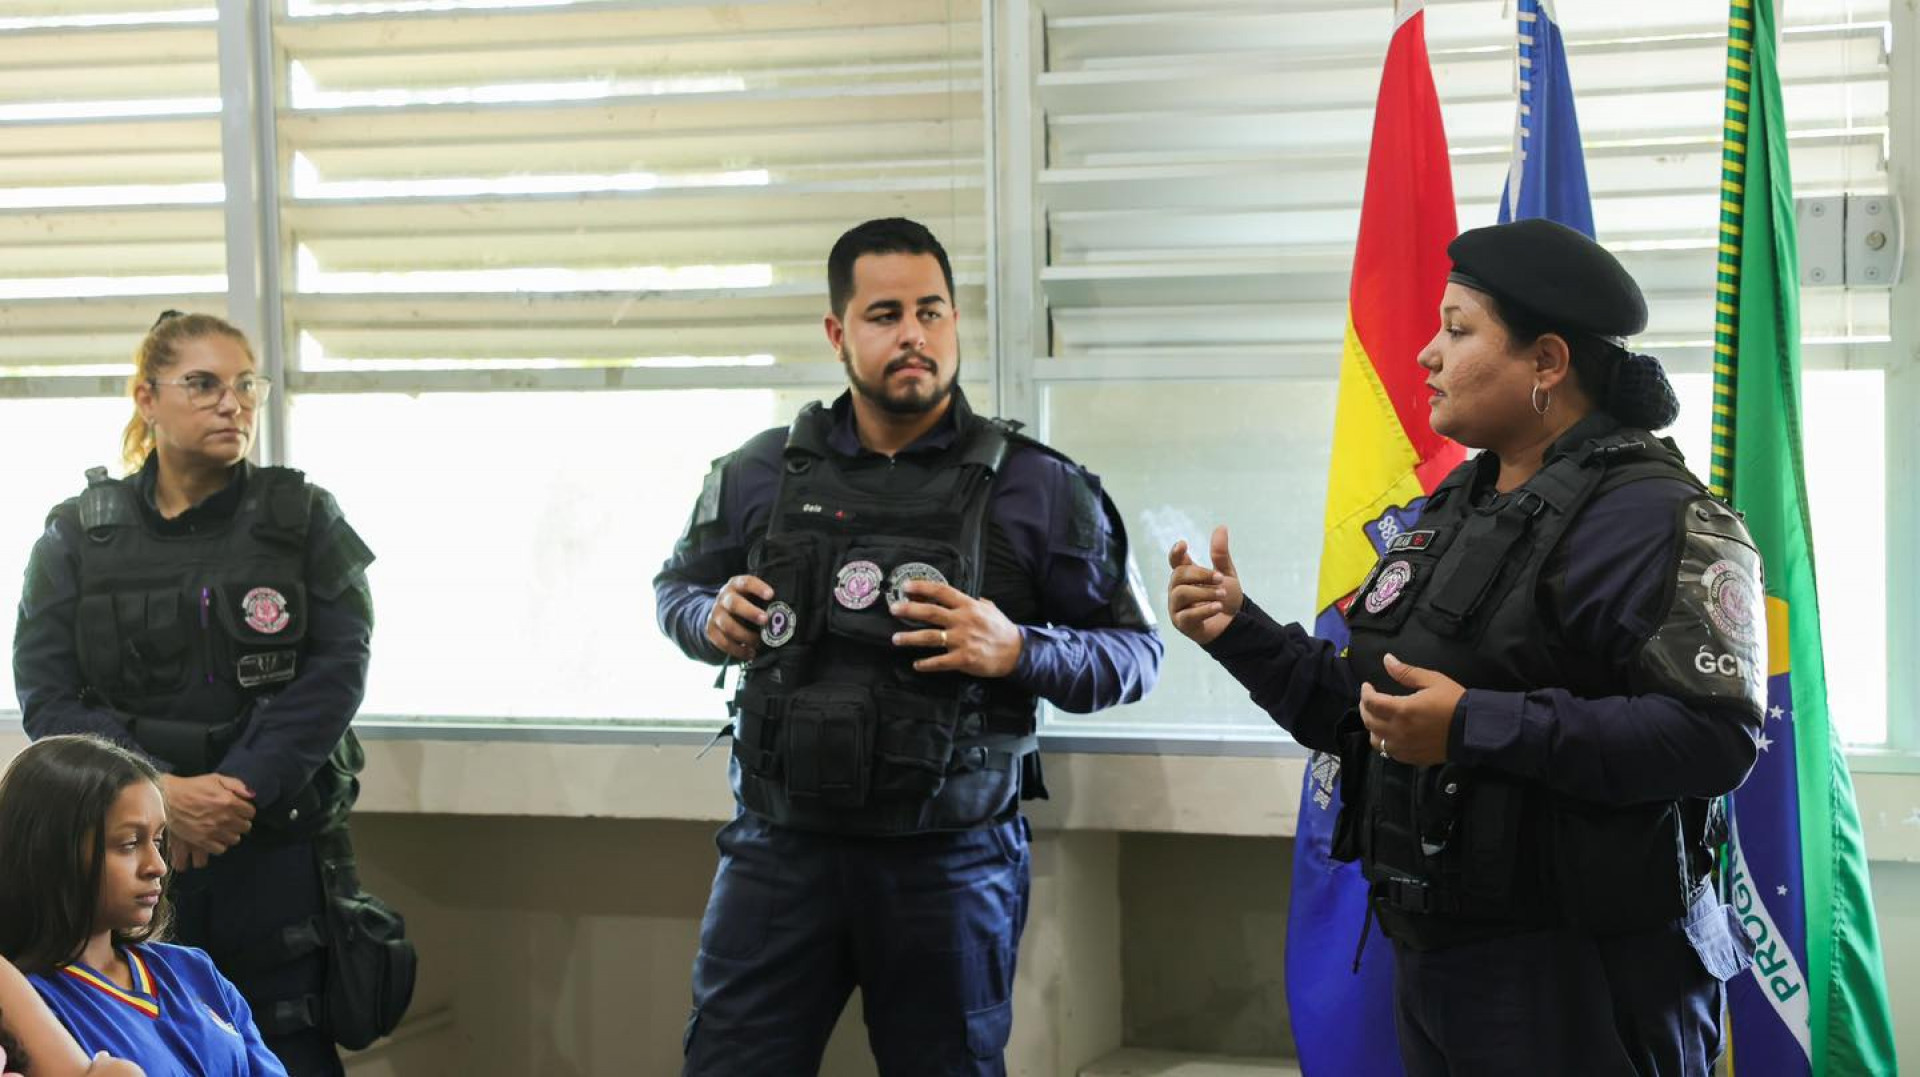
(1411, 729)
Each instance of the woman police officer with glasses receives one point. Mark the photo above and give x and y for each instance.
(214, 617)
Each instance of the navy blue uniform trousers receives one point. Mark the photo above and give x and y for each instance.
(235, 909)
(1570, 1004)
(926, 925)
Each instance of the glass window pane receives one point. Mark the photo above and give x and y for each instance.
(1846, 459)
(1846, 470)
(1255, 457)
(1179, 458)
(61, 439)
(516, 562)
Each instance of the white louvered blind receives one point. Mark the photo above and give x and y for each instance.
(474, 191)
(484, 198)
(110, 191)
(1204, 161)
(1197, 193)
(110, 184)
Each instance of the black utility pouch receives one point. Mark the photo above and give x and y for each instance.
(913, 744)
(1389, 592)
(267, 622)
(1479, 861)
(791, 565)
(1620, 870)
(190, 748)
(137, 640)
(829, 744)
(371, 964)
(322, 804)
(1354, 758)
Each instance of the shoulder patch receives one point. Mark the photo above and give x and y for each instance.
(1711, 644)
(706, 510)
(1081, 513)
(1079, 510)
(337, 556)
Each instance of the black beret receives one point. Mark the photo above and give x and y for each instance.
(1553, 272)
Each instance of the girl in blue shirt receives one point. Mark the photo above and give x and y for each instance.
(35, 1044)
(82, 862)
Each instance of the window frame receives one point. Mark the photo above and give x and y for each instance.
(1012, 41)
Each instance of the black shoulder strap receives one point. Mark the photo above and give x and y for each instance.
(1555, 493)
(985, 445)
(808, 434)
(106, 504)
(1656, 458)
(1456, 479)
(284, 505)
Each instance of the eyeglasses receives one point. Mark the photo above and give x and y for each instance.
(206, 391)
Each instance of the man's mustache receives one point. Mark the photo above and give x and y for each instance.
(910, 358)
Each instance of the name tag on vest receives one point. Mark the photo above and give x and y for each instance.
(266, 667)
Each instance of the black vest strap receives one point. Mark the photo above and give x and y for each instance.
(1461, 594)
(283, 492)
(808, 434)
(106, 504)
(1559, 489)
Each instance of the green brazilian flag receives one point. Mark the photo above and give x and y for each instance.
(1815, 1002)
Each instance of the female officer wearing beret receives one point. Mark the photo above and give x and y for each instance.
(1552, 675)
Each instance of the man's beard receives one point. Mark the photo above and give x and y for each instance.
(902, 403)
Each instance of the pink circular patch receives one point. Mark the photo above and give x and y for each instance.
(266, 610)
(1386, 590)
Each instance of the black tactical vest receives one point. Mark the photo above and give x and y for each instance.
(834, 730)
(1454, 853)
(180, 633)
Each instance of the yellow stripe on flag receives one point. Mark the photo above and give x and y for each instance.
(1779, 660)
(1373, 470)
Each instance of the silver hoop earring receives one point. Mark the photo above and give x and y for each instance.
(1540, 408)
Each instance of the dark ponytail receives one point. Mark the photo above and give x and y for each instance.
(1637, 391)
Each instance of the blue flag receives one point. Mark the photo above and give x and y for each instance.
(1548, 175)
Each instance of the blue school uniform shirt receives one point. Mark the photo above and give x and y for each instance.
(181, 1019)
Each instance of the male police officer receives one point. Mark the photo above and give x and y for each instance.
(901, 579)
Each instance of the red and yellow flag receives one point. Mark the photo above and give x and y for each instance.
(1385, 456)
(1386, 459)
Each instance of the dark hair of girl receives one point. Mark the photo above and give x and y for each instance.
(54, 803)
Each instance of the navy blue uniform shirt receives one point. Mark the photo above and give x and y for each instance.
(290, 733)
(1074, 654)
(1604, 585)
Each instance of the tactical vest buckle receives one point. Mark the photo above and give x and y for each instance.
(1409, 895)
